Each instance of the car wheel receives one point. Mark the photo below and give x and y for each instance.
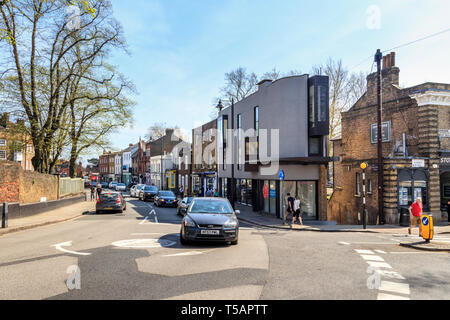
(98, 212)
(182, 239)
(235, 242)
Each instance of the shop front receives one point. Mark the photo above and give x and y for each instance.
(412, 183)
(445, 182)
(307, 193)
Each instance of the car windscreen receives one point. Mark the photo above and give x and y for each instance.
(150, 189)
(189, 199)
(121, 185)
(109, 196)
(211, 206)
(167, 194)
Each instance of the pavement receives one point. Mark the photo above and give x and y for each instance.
(47, 218)
(269, 221)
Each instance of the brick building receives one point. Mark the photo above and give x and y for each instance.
(15, 143)
(416, 151)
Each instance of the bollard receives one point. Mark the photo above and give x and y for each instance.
(5, 215)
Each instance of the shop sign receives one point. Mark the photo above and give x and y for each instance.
(418, 163)
(445, 162)
(266, 191)
(273, 194)
(444, 133)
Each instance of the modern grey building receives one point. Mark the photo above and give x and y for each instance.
(279, 145)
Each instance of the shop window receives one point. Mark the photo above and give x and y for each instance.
(412, 184)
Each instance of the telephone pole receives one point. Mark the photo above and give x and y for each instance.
(378, 59)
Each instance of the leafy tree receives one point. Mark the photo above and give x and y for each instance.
(49, 66)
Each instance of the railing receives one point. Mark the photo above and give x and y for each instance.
(68, 186)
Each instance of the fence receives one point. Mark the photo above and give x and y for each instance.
(68, 186)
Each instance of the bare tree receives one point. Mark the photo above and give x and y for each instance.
(239, 84)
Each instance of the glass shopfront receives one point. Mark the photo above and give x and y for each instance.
(196, 184)
(306, 191)
(244, 191)
(412, 184)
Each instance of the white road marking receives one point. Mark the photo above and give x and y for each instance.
(391, 274)
(372, 258)
(344, 243)
(145, 220)
(144, 243)
(380, 251)
(69, 244)
(385, 296)
(364, 251)
(190, 253)
(145, 234)
(377, 264)
(395, 287)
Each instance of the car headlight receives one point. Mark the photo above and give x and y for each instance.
(189, 222)
(230, 224)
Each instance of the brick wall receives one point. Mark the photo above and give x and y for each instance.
(9, 182)
(17, 185)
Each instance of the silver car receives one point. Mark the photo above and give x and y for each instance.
(134, 191)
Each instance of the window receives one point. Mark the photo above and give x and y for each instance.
(358, 184)
(386, 132)
(2, 155)
(224, 137)
(312, 111)
(315, 146)
(257, 121)
(369, 187)
(3, 142)
(239, 127)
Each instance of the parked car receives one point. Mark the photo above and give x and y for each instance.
(104, 185)
(183, 204)
(121, 187)
(134, 190)
(112, 185)
(130, 185)
(166, 199)
(210, 219)
(110, 201)
(148, 193)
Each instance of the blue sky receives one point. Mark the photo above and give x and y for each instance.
(180, 50)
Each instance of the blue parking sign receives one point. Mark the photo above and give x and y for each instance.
(281, 175)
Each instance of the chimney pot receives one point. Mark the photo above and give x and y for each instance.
(392, 59)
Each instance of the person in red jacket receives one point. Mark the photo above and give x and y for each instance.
(415, 212)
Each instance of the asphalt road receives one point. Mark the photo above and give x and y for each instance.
(137, 255)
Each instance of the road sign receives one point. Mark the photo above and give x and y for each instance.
(281, 175)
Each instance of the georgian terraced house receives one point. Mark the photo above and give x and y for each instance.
(15, 144)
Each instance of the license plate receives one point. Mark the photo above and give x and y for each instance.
(211, 232)
(109, 208)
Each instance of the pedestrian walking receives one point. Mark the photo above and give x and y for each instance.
(290, 206)
(415, 212)
(99, 190)
(297, 211)
(92, 193)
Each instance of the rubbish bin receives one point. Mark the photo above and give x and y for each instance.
(427, 227)
(404, 217)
